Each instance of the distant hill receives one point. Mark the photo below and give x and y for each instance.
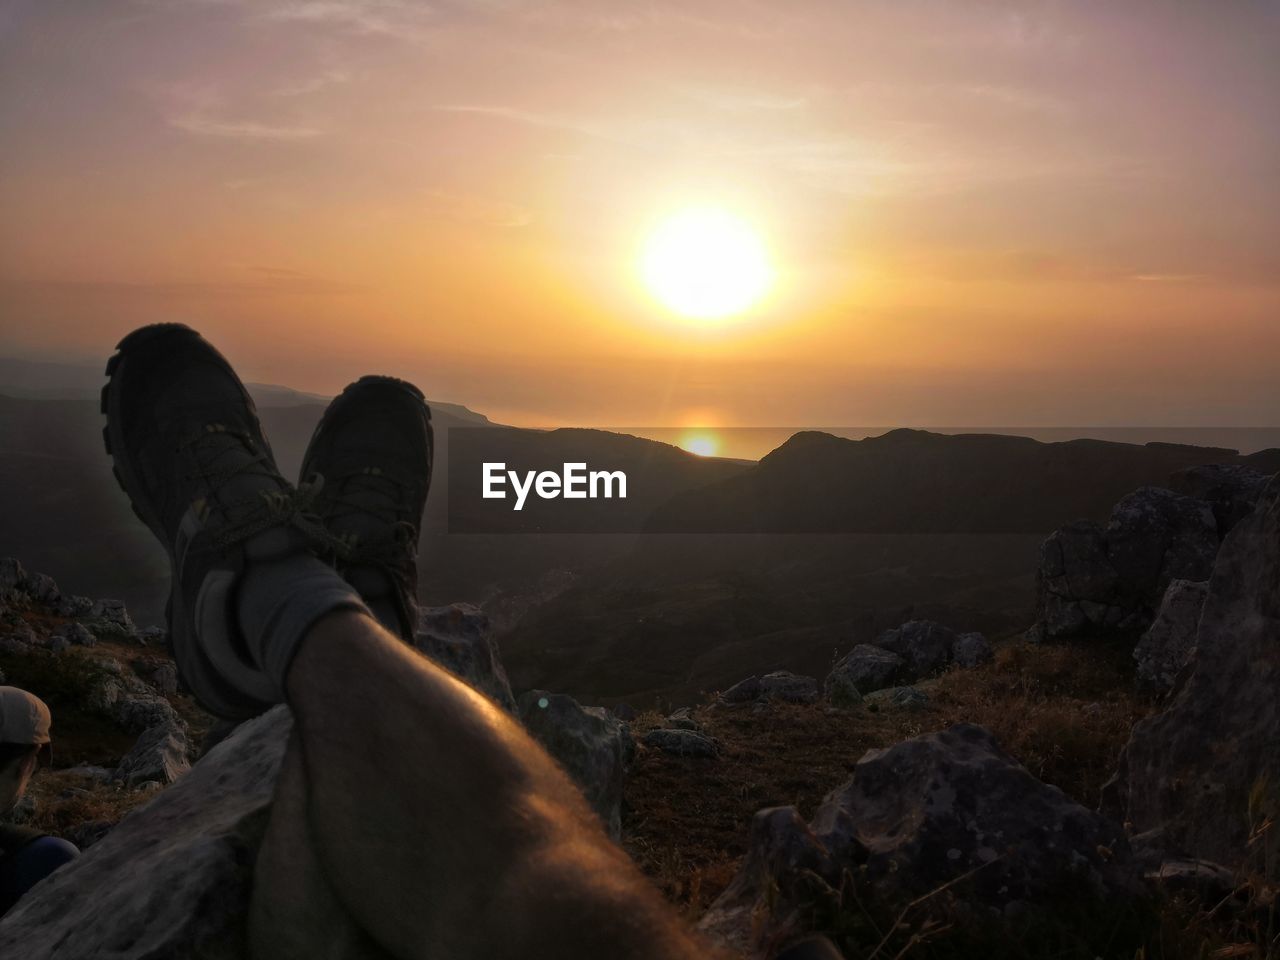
(913, 481)
(943, 527)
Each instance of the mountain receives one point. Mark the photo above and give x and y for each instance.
(822, 545)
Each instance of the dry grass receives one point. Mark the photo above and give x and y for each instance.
(1064, 712)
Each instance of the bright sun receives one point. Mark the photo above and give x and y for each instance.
(705, 263)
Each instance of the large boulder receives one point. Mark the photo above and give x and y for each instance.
(589, 742)
(459, 637)
(1202, 776)
(173, 878)
(1170, 642)
(1156, 536)
(920, 815)
(924, 646)
(1095, 580)
(860, 671)
(1231, 490)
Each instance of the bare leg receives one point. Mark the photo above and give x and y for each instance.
(443, 828)
(295, 912)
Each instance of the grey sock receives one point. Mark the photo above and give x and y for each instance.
(283, 591)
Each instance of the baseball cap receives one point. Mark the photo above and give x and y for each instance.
(24, 718)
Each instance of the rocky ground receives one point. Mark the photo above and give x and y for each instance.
(933, 795)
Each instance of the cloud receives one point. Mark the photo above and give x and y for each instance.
(204, 126)
(312, 84)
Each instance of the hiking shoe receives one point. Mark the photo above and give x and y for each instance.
(190, 453)
(368, 468)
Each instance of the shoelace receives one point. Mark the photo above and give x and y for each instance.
(244, 517)
(397, 533)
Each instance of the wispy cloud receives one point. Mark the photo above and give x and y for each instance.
(312, 84)
(204, 126)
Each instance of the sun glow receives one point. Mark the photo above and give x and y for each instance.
(706, 264)
(703, 444)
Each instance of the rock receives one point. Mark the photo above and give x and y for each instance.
(781, 852)
(1231, 490)
(860, 671)
(682, 743)
(160, 754)
(136, 713)
(1076, 574)
(788, 687)
(58, 644)
(110, 616)
(12, 578)
(78, 634)
(152, 636)
(588, 742)
(1156, 536)
(1205, 772)
(42, 588)
(924, 646)
(919, 815)
(173, 878)
(1111, 581)
(74, 606)
(460, 639)
(744, 691)
(19, 633)
(1170, 642)
(904, 698)
(971, 650)
(160, 674)
(683, 719)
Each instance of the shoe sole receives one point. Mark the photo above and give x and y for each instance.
(215, 693)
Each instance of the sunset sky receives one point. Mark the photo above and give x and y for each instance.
(975, 212)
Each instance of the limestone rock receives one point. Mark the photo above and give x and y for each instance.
(924, 646)
(916, 816)
(1231, 490)
(110, 616)
(744, 691)
(589, 742)
(971, 650)
(1205, 772)
(860, 671)
(173, 878)
(1170, 642)
(1156, 536)
(904, 698)
(1093, 580)
(160, 754)
(788, 687)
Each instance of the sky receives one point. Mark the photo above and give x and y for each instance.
(976, 212)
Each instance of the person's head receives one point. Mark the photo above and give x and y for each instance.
(24, 736)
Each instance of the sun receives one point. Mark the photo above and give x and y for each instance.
(704, 263)
(703, 444)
